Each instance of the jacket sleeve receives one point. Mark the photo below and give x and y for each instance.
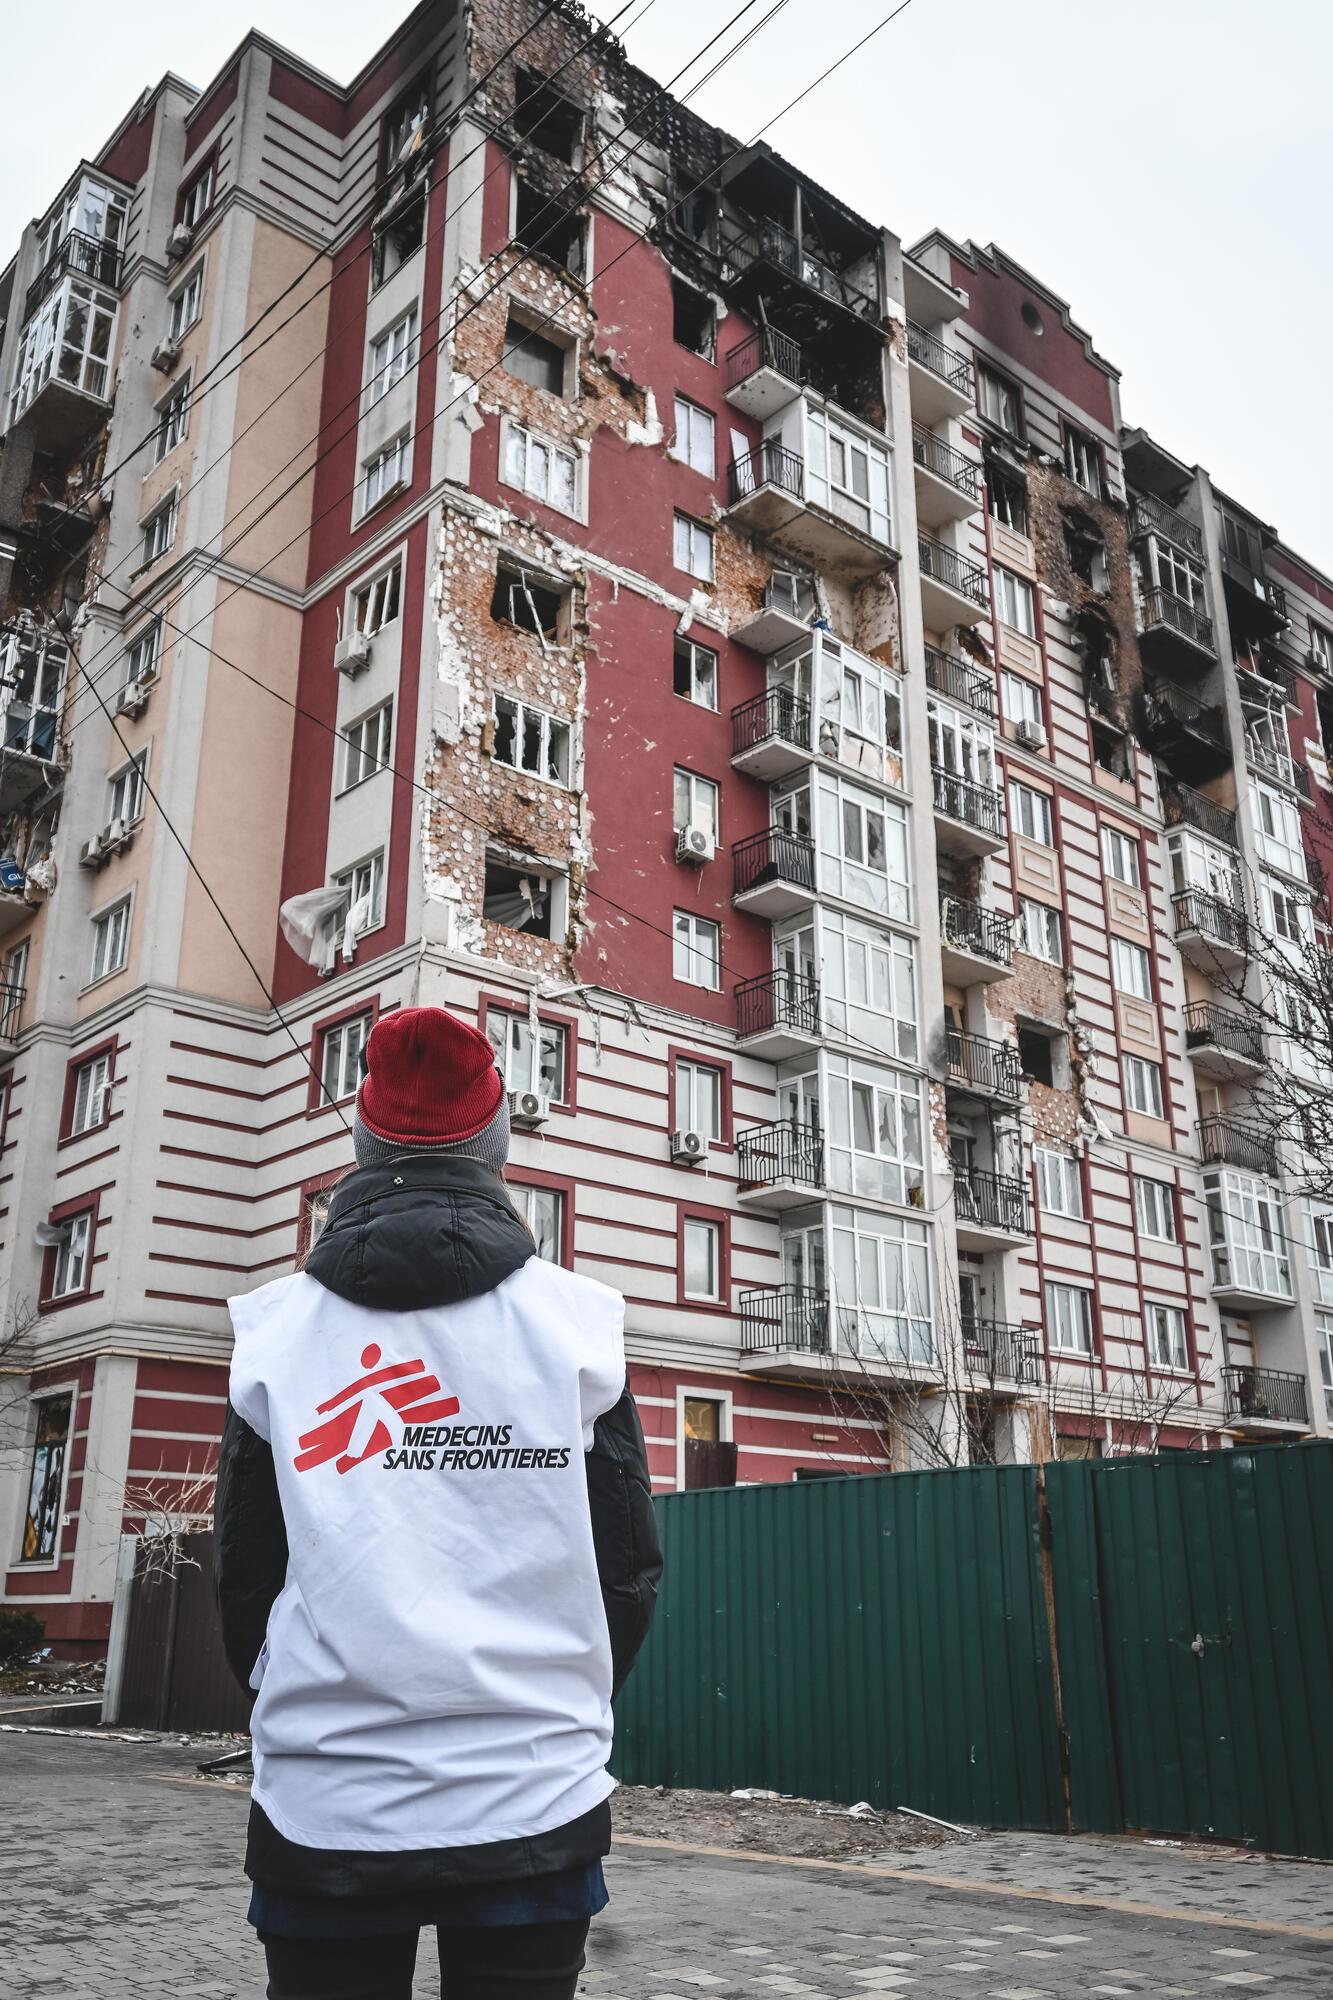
(624, 1529)
(249, 1544)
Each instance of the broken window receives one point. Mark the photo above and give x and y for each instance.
(521, 600)
(1000, 401)
(185, 305)
(693, 547)
(46, 1473)
(695, 801)
(1007, 499)
(1083, 461)
(1111, 752)
(389, 469)
(520, 898)
(1036, 1055)
(546, 117)
(541, 468)
(399, 234)
(694, 214)
(1039, 931)
(1014, 601)
(548, 227)
(158, 532)
(376, 603)
(408, 116)
(528, 739)
(693, 320)
(694, 673)
(525, 1061)
(366, 745)
(1087, 550)
(198, 198)
(532, 358)
(363, 886)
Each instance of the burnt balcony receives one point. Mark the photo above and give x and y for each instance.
(12, 997)
(770, 735)
(1150, 516)
(1223, 1043)
(1223, 1142)
(766, 488)
(948, 484)
(1281, 768)
(790, 605)
(997, 1352)
(83, 255)
(939, 376)
(1210, 932)
(976, 944)
(989, 1208)
(1267, 1399)
(777, 1015)
(1257, 604)
(779, 1165)
(969, 818)
(958, 680)
(763, 260)
(773, 872)
(1183, 806)
(1172, 629)
(975, 1066)
(790, 1319)
(763, 373)
(1188, 736)
(953, 587)
(771, 492)
(1266, 680)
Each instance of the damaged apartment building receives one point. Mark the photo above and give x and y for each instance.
(482, 536)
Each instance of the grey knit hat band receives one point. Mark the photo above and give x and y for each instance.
(490, 1145)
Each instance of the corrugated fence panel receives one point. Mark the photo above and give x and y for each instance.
(1094, 1783)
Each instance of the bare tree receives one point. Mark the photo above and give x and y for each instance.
(166, 1507)
(17, 1333)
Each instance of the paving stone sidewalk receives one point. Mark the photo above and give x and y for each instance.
(123, 1882)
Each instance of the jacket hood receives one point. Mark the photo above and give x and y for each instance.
(419, 1231)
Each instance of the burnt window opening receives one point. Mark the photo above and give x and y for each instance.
(1043, 1056)
(521, 897)
(695, 215)
(1086, 545)
(547, 117)
(523, 600)
(533, 358)
(547, 227)
(1111, 751)
(1007, 498)
(693, 320)
(407, 116)
(399, 234)
(1094, 640)
(1323, 702)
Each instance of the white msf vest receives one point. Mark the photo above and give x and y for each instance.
(437, 1671)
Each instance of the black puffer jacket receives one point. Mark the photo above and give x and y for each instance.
(421, 1232)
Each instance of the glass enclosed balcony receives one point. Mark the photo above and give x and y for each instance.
(62, 374)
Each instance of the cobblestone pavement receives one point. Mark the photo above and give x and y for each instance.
(122, 1879)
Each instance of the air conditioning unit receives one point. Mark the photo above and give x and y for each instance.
(528, 1109)
(1031, 735)
(114, 835)
(688, 1148)
(165, 355)
(352, 654)
(695, 843)
(180, 239)
(91, 855)
(133, 699)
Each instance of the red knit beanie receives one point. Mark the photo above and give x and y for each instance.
(430, 1079)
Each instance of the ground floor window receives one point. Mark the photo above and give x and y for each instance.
(46, 1479)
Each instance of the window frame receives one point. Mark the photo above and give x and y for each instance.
(679, 1056)
(694, 919)
(512, 1006)
(695, 647)
(1056, 1349)
(1165, 1198)
(204, 177)
(1170, 1366)
(692, 527)
(149, 636)
(366, 587)
(79, 1206)
(1110, 836)
(166, 509)
(397, 365)
(340, 876)
(511, 429)
(396, 450)
(565, 347)
(179, 300)
(560, 1185)
(1031, 702)
(548, 724)
(1074, 441)
(1149, 1068)
(987, 375)
(330, 1024)
(381, 715)
(1000, 482)
(48, 1392)
(1009, 591)
(696, 784)
(696, 415)
(1129, 950)
(103, 1051)
(1019, 793)
(717, 1219)
(1066, 1182)
(1053, 918)
(97, 919)
(173, 420)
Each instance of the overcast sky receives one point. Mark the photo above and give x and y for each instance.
(1164, 165)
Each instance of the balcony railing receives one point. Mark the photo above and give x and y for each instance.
(792, 594)
(978, 1063)
(958, 798)
(1272, 1395)
(971, 928)
(777, 1000)
(1212, 917)
(766, 241)
(1211, 1027)
(1222, 1142)
(774, 855)
(946, 362)
(1150, 516)
(947, 567)
(11, 1006)
(1169, 705)
(771, 464)
(766, 348)
(1161, 608)
(86, 256)
(1275, 764)
(957, 681)
(1268, 670)
(777, 712)
(785, 1151)
(991, 1201)
(1186, 807)
(946, 463)
(998, 1351)
(794, 1316)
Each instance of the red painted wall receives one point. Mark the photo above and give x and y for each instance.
(1055, 355)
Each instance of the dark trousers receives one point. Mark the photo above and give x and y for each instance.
(503, 1962)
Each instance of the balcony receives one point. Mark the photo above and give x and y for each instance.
(1225, 1143)
(958, 680)
(976, 944)
(989, 1209)
(11, 1009)
(1150, 516)
(773, 872)
(996, 1353)
(764, 373)
(1222, 1043)
(1266, 1400)
(780, 1165)
(939, 377)
(764, 250)
(975, 1066)
(83, 255)
(789, 606)
(1266, 680)
(1258, 605)
(771, 493)
(32, 696)
(1210, 932)
(948, 485)
(953, 587)
(1172, 628)
(969, 818)
(766, 488)
(1282, 769)
(1188, 736)
(62, 375)
(770, 736)
(790, 1319)
(1183, 806)
(777, 1015)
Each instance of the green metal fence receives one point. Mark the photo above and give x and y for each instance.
(1146, 1642)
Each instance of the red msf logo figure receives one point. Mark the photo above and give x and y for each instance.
(351, 1434)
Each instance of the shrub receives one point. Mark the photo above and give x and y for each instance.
(20, 1636)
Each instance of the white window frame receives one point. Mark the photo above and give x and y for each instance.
(696, 947)
(520, 1056)
(143, 655)
(1131, 969)
(1144, 1080)
(92, 1091)
(1059, 1183)
(893, 1166)
(555, 741)
(868, 991)
(1155, 1209)
(882, 1284)
(1296, 930)
(173, 420)
(695, 801)
(343, 1042)
(999, 400)
(112, 923)
(1083, 461)
(1321, 645)
(695, 440)
(525, 1196)
(714, 1231)
(367, 746)
(198, 197)
(1277, 829)
(1247, 1235)
(1069, 1312)
(1015, 601)
(1166, 1332)
(1031, 814)
(386, 471)
(186, 303)
(158, 531)
(1040, 931)
(52, 1391)
(1022, 699)
(834, 453)
(370, 869)
(390, 356)
(128, 785)
(1121, 857)
(531, 463)
(695, 649)
(686, 1105)
(849, 821)
(692, 546)
(370, 600)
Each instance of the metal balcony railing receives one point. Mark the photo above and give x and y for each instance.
(958, 681)
(997, 1351)
(1212, 917)
(940, 458)
(978, 1063)
(946, 362)
(774, 855)
(1271, 1394)
(86, 256)
(1168, 704)
(766, 348)
(1223, 1142)
(777, 712)
(789, 592)
(11, 1006)
(777, 1000)
(947, 567)
(1267, 670)
(1186, 807)
(1208, 1026)
(770, 465)
(1150, 516)
(789, 1316)
(1161, 608)
(1277, 765)
(991, 1201)
(981, 932)
(785, 1151)
(958, 798)
(766, 241)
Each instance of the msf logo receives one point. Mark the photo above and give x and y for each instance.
(356, 1420)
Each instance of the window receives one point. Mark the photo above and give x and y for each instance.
(1173, 571)
(699, 1099)
(1086, 546)
(694, 673)
(386, 471)
(172, 421)
(340, 1057)
(198, 198)
(848, 472)
(960, 745)
(159, 532)
(92, 1095)
(364, 884)
(375, 604)
(1278, 826)
(13, 992)
(881, 1275)
(185, 306)
(863, 848)
(523, 600)
(1059, 1182)
(1022, 700)
(1246, 1235)
(126, 791)
(693, 320)
(525, 1060)
(391, 356)
(111, 940)
(1168, 1341)
(1036, 1056)
(1039, 931)
(46, 1478)
(71, 337)
(1000, 401)
(1068, 1319)
(693, 547)
(693, 443)
(69, 1273)
(543, 470)
(1007, 499)
(532, 359)
(1155, 1209)
(695, 801)
(143, 655)
(696, 951)
(1321, 649)
(366, 745)
(1030, 812)
(701, 1246)
(1083, 461)
(875, 1139)
(1288, 915)
(549, 227)
(528, 739)
(400, 234)
(1014, 602)
(1143, 1087)
(541, 113)
(410, 114)
(868, 988)
(1131, 969)
(523, 896)
(1120, 857)
(543, 1209)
